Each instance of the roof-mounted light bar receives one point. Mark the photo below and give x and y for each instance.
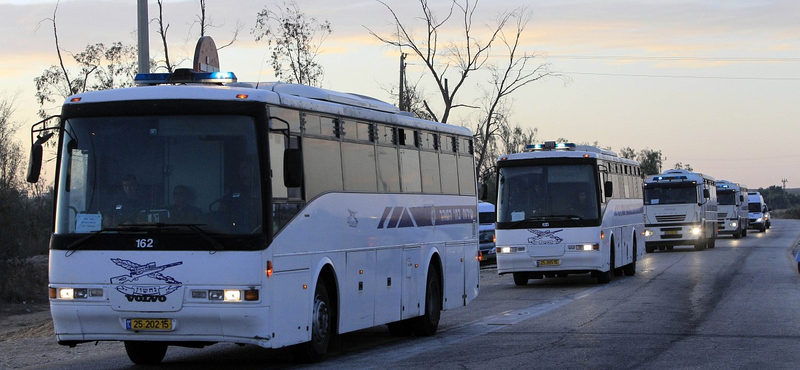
(184, 76)
(550, 145)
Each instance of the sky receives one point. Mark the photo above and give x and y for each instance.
(713, 84)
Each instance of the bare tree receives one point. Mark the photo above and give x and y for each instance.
(295, 41)
(99, 68)
(460, 58)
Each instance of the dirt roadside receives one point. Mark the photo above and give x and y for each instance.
(27, 339)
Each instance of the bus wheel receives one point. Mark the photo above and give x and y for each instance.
(427, 324)
(711, 243)
(145, 353)
(321, 328)
(630, 269)
(700, 245)
(403, 328)
(602, 277)
(520, 278)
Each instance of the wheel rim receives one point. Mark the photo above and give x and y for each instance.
(321, 325)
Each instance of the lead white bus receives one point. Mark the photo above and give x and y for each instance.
(566, 209)
(274, 215)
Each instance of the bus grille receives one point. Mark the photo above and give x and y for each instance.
(670, 218)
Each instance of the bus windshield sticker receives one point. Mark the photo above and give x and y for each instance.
(88, 222)
(517, 216)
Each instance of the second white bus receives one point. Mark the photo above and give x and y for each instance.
(566, 209)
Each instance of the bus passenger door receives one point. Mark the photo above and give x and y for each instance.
(412, 281)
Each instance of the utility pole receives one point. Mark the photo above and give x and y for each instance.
(144, 37)
(401, 100)
(784, 181)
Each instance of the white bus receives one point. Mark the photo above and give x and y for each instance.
(565, 209)
(732, 215)
(681, 209)
(196, 210)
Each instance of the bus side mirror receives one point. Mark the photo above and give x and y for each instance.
(35, 161)
(608, 189)
(292, 168)
(706, 193)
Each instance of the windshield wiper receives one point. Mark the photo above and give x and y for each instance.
(74, 246)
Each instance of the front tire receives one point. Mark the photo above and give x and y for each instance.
(630, 269)
(321, 328)
(145, 353)
(427, 324)
(520, 279)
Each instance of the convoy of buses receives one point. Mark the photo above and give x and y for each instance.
(321, 213)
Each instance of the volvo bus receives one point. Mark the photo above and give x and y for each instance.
(267, 214)
(681, 209)
(566, 209)
(732, 216)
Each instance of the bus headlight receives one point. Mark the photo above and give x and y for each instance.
(648, 232)
(75, 293)
(510, 249)
(584, 247)
(696, 230)
(233, 295)
(733, 224)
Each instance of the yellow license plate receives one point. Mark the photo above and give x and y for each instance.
(548, 262)
(671, 232)
(148, 324)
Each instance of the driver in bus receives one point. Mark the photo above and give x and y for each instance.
(128, 203)
(181, 211)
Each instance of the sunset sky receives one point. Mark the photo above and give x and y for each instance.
(714, 84)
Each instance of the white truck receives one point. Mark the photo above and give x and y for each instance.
(680, 209)
(732, 214)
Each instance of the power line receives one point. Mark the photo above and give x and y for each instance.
(681, 76)
(671, 58)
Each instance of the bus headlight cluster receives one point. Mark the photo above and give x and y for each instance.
(584, 247)
(733, 224)
(648, 232)
(67, 293)
(696, 230)
(510, 249)
(226, 295)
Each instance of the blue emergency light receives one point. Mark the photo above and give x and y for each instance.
(183, 76)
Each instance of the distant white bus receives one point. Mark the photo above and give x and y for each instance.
(732, 214)
(272, 214)
(566, 209)
(681, 209)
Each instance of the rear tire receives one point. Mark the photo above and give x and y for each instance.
(711, 243)
(402, 328)
(520, 278)
(145, 353)
(700, 245)
(321, 328)
(630, 269)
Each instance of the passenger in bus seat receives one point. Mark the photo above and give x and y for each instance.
(181, 212)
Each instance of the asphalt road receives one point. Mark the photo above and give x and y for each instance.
(731, 307)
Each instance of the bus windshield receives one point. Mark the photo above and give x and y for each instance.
(550, 192)
(198, 172)
(670, 195)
